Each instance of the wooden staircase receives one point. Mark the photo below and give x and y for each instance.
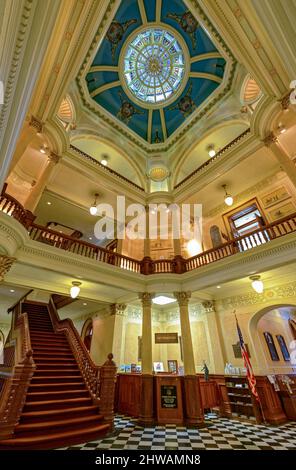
(59, 409)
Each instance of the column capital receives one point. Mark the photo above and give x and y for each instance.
(5, 264)
(270, 139)
(208, 305)
(117, 309)
(286, 101)
(146, 298)
(182, 298)
(36, 124)
(53, 158)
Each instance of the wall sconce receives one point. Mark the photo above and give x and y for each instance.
(75, 289)
(257, 284)
(228, 199)
(93, 209)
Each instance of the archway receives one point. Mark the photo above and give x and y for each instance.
(269, 348)
(87, 333)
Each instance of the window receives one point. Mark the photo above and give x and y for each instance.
(154, 65)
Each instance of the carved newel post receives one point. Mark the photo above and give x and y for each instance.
(108, 373)
(193, 410)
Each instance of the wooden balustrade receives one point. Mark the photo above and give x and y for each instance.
(13, 208)
(147, 266)
(244, 243)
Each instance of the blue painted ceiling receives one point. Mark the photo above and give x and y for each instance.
(114, 100)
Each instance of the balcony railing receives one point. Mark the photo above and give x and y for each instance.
(147, 266)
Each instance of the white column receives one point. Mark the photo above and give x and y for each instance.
(117, 310)
(216, 349)
(28, 134)
(188, 355)
(37, 190)
(272, 142)
(147, 363)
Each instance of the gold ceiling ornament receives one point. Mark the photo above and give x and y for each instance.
(158, 173)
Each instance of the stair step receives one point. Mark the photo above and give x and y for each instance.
(48, 387)
(57, 423)
(57, 404)
(64, 376)
(57, 371)
(56, 439)
(46, 349)
(55, 361)
(53, 353)
(56, 394)
(37, 416)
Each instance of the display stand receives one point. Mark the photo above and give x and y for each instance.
(242, 403)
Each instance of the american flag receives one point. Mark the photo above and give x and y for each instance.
(250, 374)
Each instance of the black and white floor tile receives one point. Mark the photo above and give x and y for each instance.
(221, 433)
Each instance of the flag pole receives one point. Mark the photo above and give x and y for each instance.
(246, 365)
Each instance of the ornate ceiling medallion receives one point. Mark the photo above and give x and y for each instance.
(154, 66)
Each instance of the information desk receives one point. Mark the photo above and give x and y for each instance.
(169, 408)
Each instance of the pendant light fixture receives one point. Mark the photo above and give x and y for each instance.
(93, 209)
(211, 150)
(257, 284)
(228, 199)
(75, 289)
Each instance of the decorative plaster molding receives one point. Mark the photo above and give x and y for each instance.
(118, 309)
(5, 264)
(54, 158)
(182, 298)
(244, 195)
(16, 61)
(274, 295)
(36, 124)
(270, 139)
(146, 298)
(209, 306)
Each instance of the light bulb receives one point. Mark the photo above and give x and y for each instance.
(93, 210)
(42, 150)
(228, 200)
(193, 247)
(211, 151)
(104, 162)
(257, 284)
(75, 289)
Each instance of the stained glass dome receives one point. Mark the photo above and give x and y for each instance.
(154, 66)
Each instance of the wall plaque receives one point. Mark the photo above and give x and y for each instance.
(168, 394)
(166, 338)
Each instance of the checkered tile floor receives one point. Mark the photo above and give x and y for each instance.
(221, 433)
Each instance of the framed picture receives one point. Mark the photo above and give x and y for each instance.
(158, 367)
(283, 346)
(271, 346)
(172, 366)
(278, 195)
(282, 211)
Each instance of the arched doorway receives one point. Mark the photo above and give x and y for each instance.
(87, 333)
(272, 338)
